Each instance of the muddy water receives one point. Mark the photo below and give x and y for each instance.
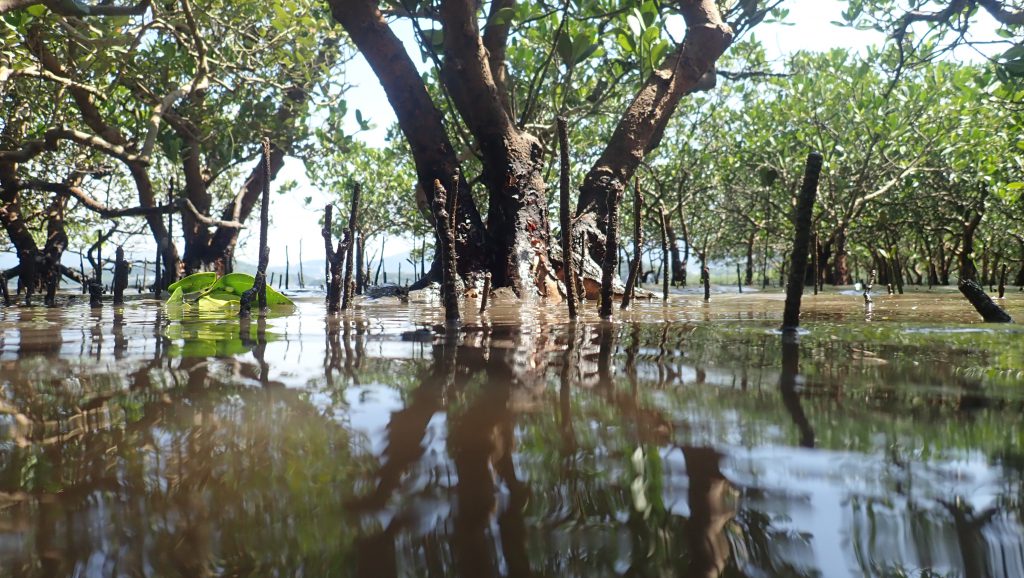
(681, 440)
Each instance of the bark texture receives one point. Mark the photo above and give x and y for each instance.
(446, 239)
(801, 242)
(517, 226)
(610, 253)
(565, 218)
(982, 303)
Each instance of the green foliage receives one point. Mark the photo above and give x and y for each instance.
(389, 199)
(231, 74)
(926, 31)
(208, 293)
(908, 162)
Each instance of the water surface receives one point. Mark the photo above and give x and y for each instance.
(681, 440)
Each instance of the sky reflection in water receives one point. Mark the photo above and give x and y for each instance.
(681, 440)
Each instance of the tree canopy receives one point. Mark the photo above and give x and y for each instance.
(154, 110)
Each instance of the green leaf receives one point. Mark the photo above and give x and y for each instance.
(177, 296)
(504, 16)
(434, 37)
(635, 26)
(194, 282)
(626, 43)
(658, 52)
(234, 284)
(565, 49)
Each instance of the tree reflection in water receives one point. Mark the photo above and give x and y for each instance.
(578, 450)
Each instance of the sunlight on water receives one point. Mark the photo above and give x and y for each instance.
(682, 439)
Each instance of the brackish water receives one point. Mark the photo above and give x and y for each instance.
(680, 440)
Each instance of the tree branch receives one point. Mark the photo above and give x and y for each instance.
(81, 9)
(209, 221)
(642, 125)
(744, 74)
(495, 42)
(419, 119)
(468, 74)
(179, 205)
(955, 7)
(1001, 13)
(36, 72)
(83, 99)
(31, 149)
(98, 143)
(92, 204)
(201, 81)
(888, 186)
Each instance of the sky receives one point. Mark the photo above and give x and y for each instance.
(809, 28)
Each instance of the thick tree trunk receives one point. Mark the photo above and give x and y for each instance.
(168, 252)
(473, 72)
(914, 274)
(56, 243)
(93, 118)
(420, 121)
(216, 251)
(678, 275)
(195, 233)
(204, 249)
(841, 268)
(16, 227)
(43, 264)
(10, 200)
(517, 225)
(968, 270)
(37, 269)
(641, 127)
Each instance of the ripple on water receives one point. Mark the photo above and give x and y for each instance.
(676, 439)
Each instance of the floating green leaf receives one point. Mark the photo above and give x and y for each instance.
(224, 294)
(194, 282)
